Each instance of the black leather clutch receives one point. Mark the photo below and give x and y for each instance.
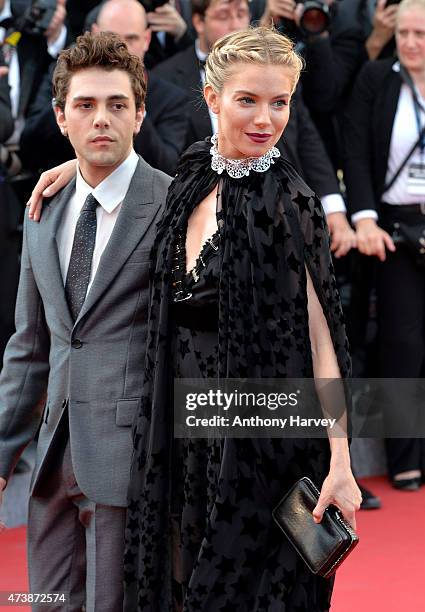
(323, 546)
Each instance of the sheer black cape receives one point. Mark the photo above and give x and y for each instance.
(274, 228)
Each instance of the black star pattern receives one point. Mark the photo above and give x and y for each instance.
(225, 510)
(219, 589)
(304, 202)
(268, 284)
(262, 219)
(252, 526)
(270, 255)
(293, 263)
(245, 316)
(226, 565)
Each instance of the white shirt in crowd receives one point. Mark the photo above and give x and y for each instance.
(110, 194)
(404, 134)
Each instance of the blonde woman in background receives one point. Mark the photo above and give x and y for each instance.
(386, 197)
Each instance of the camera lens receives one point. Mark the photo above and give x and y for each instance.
(315, 17)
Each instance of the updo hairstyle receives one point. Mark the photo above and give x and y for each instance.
(257, 45)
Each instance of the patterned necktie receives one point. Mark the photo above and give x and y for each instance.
(78, 276)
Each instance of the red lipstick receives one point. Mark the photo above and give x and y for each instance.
(259, 138)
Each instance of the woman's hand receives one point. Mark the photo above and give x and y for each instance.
(372, 240)
(49, 183)
(343, 237)
(341, 490)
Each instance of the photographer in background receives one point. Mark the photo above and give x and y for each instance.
(385, 178)
(6, 119)
(162, 135)
(381, 41)
(31, 34)
(170, 24)
(330, 35)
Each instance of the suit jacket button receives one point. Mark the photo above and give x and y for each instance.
(76, 343)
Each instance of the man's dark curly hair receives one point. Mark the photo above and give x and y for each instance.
(103, 50)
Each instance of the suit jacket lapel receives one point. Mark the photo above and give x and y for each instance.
(48, 251)
(389, 109)
(132, 223)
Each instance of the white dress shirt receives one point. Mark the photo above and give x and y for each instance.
(404, 134)
(110, 194)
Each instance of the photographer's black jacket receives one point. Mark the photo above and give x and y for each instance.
(368, 125)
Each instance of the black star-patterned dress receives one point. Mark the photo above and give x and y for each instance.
(200, 533)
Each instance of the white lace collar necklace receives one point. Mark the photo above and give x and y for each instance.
(237, 168)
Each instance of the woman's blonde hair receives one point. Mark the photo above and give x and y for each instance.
(257, 45)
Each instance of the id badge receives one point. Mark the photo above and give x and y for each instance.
(416, 179)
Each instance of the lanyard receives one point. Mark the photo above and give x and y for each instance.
(416, 105)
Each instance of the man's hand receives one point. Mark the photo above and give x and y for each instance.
(56, 24)
(3, 71)
(384, 22)
(166, 18)
(343, 237)
(372, 240)
(2, 488)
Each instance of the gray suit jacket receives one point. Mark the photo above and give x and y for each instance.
(93, 368)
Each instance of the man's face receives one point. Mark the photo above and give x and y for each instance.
(128, 24)
(100, 119)
(221, 17)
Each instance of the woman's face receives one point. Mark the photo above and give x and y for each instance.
(252, 108)
(410, 37)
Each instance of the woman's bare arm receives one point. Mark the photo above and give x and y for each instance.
(340, 487)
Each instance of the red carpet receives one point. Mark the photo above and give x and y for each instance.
(384, 574)
(13, 565)
(386, 571)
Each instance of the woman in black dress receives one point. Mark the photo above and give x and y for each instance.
(242, 286)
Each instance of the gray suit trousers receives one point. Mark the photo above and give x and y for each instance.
(75, 546)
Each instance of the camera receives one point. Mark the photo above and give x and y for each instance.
(36, 18)
(151, 5)
(315, 17)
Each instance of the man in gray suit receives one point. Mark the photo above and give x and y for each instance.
(79, 345)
